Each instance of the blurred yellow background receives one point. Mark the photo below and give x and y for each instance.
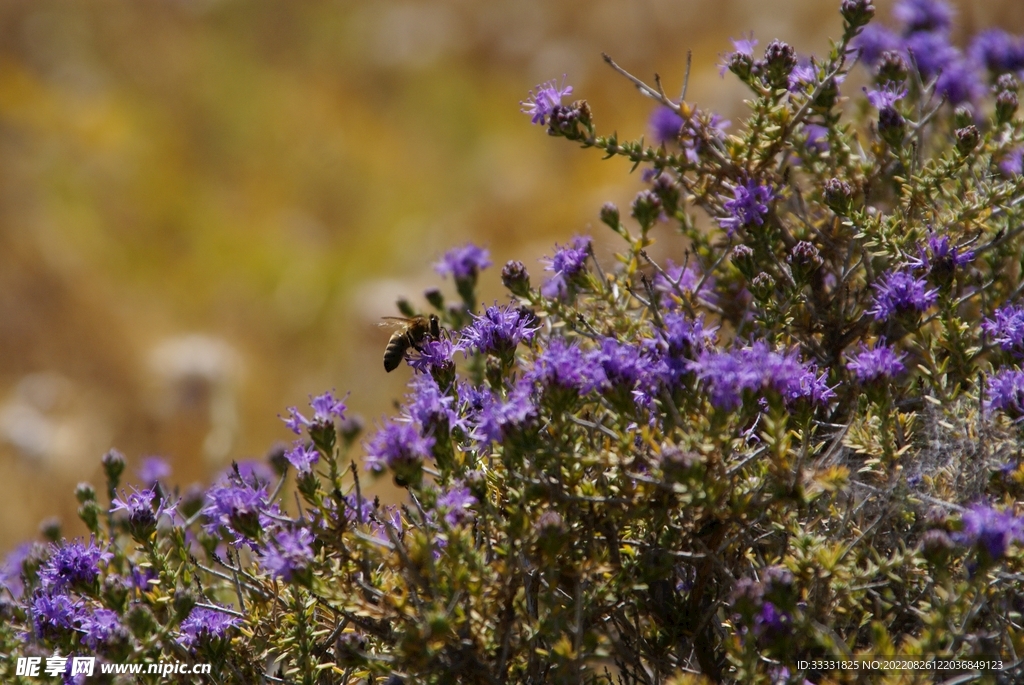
(205, 205)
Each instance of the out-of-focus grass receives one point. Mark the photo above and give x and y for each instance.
(270, 176)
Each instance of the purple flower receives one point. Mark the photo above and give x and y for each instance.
(756, 368)
(923, 15)
(802, 75)
(362, 508)
(54, 613)
(464, 262)
(685, 279)
(240, 508)
(998, 51)
(302, 456)
(13, 566)
(817, 137)
(743, 52)
(203, 624)
(623, 364)
(990, 530)
(880, 98)
(1012, 163)
(544, 98)
(564, 365)
(397, 445)
(665, 124)
(749, 206)
(153, 469)
(877, 362)
(959, 81)
(429, 407)
(102, 626)
(492, 417)
(931, 52)
(435, 355)
(73, 564)
(498, 330)
(142, 516)
(699, 131)
(325, 407)
(1006, 392)
(289, 554)
(873, 41)
(937, 255)
(1007, 328)
(771, 622)
(899, 292)
(455, 503)
(567, 262)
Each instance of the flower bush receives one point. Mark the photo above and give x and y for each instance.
(800, 446)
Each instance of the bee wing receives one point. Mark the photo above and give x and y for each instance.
(393, 322)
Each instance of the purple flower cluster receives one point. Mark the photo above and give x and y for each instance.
(498, 330)
(491, 416)
(567, 262)
(923, 39)
(665, 124)
(325, 409)
(624, 365)
(875, 363)
(435, 355)
(203, 624)
(455, 502)
(899, 292)
(749, 206)
(142, 516)
(464, 262)
(1006, 327)
(153, 469)
(939, 257)
(241, 508)
(428, 407)
(755, 369)
(73, 564)
(543, 99)
(397, 445)
(289, 554)
(564, 365)
(302, 456)
(1005, 392)
(990, 530)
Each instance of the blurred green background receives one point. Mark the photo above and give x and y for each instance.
(206, 205)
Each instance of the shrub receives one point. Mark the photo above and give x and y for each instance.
(799, 446)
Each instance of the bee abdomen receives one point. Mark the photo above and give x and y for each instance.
(394, 353)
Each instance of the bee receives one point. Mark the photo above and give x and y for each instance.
(412, 333)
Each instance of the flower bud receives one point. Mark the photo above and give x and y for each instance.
(891, 126)
(646, 208)
(967, 139)
(742, 65)
(936, 546)
(856, 13)
(804, 259)
(1006, 106)
(404, 308)
(779, 60)
(113, 466)
(962, 117)
(763, 286)
(85, 492)
(838, 196)
(610, 216)
(667, 191)
(892, 68)
(516, 278)
(1007, 83)
(435, 298)
(50, 529)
